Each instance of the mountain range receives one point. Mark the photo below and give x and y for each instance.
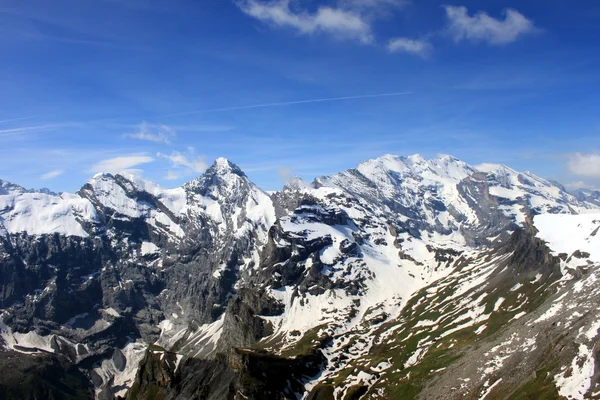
(403, 278)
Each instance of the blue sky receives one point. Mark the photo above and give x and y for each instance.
(163, 88)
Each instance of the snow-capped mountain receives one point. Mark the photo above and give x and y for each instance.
(588, 195)
(381, 281)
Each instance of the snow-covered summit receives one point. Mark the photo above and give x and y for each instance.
(442, 168)
(437, 194)
(106, 198)
(222, 178)
(40, 213)
(588, 195)
(223, 167)
(296, 183)
(10, 188)
(7, 187)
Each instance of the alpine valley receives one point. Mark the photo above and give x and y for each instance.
(403, 278)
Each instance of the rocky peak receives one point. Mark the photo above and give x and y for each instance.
(223, 168)
(223, 181)
(108, 189)
(588, 195)
(10, 188)
(296, 183)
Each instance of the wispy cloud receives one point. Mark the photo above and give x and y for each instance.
(577, 185)
(31, 129)
(15, 119)
(285, 173)
(584, 164)
(153, 133)
(418, 47)
(171, 175)
(120, 164)
(482, 28)
(35, 22)
(290, 103)
(338, 22)
(51, 174)
(188, 161)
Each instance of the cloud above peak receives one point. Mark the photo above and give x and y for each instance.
(185, 163)
(120, 164)
(341, 23)
(482, 28)
(51, 174)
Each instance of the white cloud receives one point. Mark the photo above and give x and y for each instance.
(584, 164)
(189, 161)
(285, 173)
(413, 46)
(171, 175)
(52, 174)
(36, 128)
(120, 164)
(577, 185)
(482, 28)
(340, 23)
(153, 133)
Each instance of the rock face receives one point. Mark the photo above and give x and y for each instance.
(381, 281)
(41, 376)
(123, 261)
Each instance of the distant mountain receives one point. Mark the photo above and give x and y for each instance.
(401, 278)
(588, 195)
(8, 188)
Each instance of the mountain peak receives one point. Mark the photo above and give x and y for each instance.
(389, 162)
(296, 183)
(7, 187)
(222, 174)
(101, 175)
(416, 159)
(447, 158)
(223, 166)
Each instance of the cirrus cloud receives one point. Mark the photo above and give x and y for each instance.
(120, 164)
(51, 174)
(153, 133)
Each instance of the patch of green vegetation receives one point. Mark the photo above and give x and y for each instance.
(408, 383)
(431, 303)
(151, 392)
(309, 341)
(356, 392)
